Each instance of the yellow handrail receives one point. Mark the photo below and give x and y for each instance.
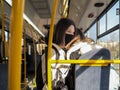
(50, 42)
(83, 62)
(65, 8)
(16, 28)
(86, 61)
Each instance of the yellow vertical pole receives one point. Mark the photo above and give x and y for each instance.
(15, 45)
(50, 43)
(65, 9)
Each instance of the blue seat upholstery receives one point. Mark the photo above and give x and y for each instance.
(3, 76)
(93, 78)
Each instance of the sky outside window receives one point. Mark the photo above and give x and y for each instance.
(112, 18)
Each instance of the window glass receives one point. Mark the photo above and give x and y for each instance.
(111, 41)
(112, 17)
(92, 32)
(102, 24)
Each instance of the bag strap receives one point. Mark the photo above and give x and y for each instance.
(46, 56)
(56, 51)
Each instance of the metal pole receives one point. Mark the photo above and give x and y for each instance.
(16, 28)
(50, 43)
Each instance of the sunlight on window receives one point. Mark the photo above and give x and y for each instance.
(112, 18)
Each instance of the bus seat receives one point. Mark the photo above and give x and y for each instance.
(93, 77)
(3, 76)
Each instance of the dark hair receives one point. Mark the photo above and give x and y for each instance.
(79, 32)
(60, 29)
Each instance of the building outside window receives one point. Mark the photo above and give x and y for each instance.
(111, 41)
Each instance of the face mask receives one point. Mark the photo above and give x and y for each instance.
(68, 38)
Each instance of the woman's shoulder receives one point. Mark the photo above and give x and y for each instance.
(56, 50)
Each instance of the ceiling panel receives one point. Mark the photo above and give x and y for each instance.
(43, 11)
(42, 7)
(81, 10)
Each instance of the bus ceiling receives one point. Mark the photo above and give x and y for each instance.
(42, 7)
(82, 12)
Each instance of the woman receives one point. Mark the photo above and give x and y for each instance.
(64, 32)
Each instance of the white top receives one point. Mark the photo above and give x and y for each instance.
(63, 71)
(84, 48)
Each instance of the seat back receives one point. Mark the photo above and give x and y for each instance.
(3, 76)
(90, 77)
